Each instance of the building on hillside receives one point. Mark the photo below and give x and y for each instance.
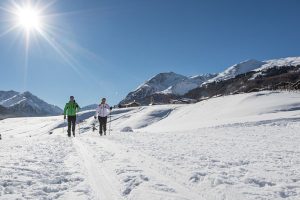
(183, 101)
(131, 104)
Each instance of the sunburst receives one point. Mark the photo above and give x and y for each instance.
(31, 19)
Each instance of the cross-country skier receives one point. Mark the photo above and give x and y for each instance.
(102, 111)
(70, 110)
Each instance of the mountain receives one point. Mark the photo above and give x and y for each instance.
(254, 65)
(6, 113)
(165, 85)
(27, 104)
(284, 76)
(89, 107)
(242, 77)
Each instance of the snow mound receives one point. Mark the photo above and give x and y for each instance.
(230, 109)
(141, 117)
(127, 129)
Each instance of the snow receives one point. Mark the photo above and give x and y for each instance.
(17, 99)
(235, 147)
(168, 83)
(289, 61)
(159, 83)
(182, 87)
(237, 69)
(254, 65)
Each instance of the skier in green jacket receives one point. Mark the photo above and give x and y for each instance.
(70, 110)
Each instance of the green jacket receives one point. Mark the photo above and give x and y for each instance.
(71, 108)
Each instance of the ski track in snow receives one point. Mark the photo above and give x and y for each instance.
(136, 170)
(239, 159)
(98, 177)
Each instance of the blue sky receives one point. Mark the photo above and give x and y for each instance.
(106, 48)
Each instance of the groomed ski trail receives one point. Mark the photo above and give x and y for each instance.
(99, 179)
(119, 169)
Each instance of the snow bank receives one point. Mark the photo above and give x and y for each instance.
(231, 109)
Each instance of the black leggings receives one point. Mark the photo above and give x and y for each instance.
(102, 122)
(71, 122)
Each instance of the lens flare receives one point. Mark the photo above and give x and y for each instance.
(33, 20)
(29, 18)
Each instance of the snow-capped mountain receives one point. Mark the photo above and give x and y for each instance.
(166, 86)
(254, 65)
(27, 104)
(168, 83)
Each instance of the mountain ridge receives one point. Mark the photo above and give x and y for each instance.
(26, 104)
(178, 85)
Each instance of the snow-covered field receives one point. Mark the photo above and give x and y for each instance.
(239, 147)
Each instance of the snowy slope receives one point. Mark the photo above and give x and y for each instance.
(159, 83)
(187, 84)
(289, 61)
(237, 69)
(235, 147)
(254, 65)
(6, 95)
(239, 108)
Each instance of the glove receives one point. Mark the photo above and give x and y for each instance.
(95, 117)
(65, 117)
(110, 108)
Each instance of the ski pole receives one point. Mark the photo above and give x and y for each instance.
(64, 125)
(78, 122)
(109, 123)
(95, 123)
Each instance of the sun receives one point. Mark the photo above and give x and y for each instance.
(28, 18)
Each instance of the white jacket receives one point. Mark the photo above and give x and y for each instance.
(102, 110)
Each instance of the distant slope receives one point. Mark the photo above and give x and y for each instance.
(27, 104)
(275, 78)
(6, 113)
(238, 69)
(254, 65)
(89, 107)
(289, 61)
(4, 95)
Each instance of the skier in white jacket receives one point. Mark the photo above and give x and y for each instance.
(102, 111)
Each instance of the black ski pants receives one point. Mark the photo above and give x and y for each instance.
(71, 123)
(102, 122)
